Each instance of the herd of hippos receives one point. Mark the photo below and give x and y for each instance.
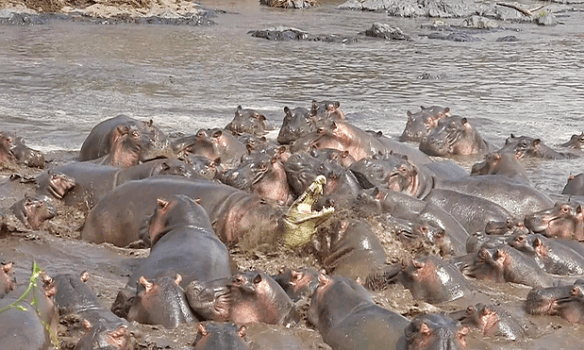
(315, 190)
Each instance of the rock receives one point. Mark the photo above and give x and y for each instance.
(296, 4)
(417, 8)
(509, 38)
(548, 19)
(456, 36)
(385, 31)
(479, 22)
(289, 33)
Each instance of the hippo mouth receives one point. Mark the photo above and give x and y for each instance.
(406, 183)
(222, 305)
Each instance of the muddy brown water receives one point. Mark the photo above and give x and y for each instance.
(60, 79)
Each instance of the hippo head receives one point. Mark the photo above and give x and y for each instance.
(215, 335)
(210, 300)
(436, 332)
(326, 110)
(14, 151)
(247, 121)
(256, 297)
(576, 141)
(297, 122)
(487, 264)
(102, 334)
(33, 211)
(564, 220)
(453, 136)
(160, 301)
(58, 185)
(421, 123)
(508, 227)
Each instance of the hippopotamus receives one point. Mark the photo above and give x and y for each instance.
(247, 121)
(506, 264)
(160, 301)
(506, 164)
(213, 144)
(101, 334)
(576, 141)
(334, 156)
(262, 174)
(508, 227)
(393, 172)
(473, 213)
(575, 185)
(125, 150)
(347, 318)
(399, 148)
(203, 166)
(150, 141)
(550, 254)
(102, 327)
(491, 320)
(13, 151)
(518, 199)
(33, 309)
(256, 297)
(420, 124)
(326, 110)
(84, 184)
(351, 249)
(529, 147)
(220, 335)
(428, 278)
(33, 212)
(401, 205)
(297, 122)
(235, 214)
(7, 280)
(297, 283)
(480, 240)
(564, 301)
(563, 220)
(342, 136)
(454, 136)
(210, 300)
(436, 331)
(182, 241)
(302, 169)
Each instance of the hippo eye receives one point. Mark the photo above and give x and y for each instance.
(565, 209)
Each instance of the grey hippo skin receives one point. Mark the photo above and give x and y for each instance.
(13, 151)
(247, 121)
(454, 136)
(216, 335)
(348, 319)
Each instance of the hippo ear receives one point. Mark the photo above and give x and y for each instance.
(487, 311)
(249, 149)
(259, 116)
(177, 279)
(337, 104)
(359, 281)
(216, 161)
(281, 149)
(345, 154)
(149, 124)
(417, 264)
(202, 330)
(145, 283)
(257, 279)
(217, 134)
(87, 325)
(323, 279)
(238, 110)
(571, 177)
(425, 329)
(7, 267)
(242, 331)
(536, 142)
(409, 115)
(287, 111)
(464, 121)
(446, 110)
(198, 200)
(84, 277)
(537, 242)
(162, 203)
(579, 209)
(497, 156)
(512, 136)
(334, 125)
(470, 310)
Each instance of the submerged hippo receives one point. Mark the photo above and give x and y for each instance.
(150, 141)
(576, 141)
(506, 164)
(491, 320)
(454, 136)
(247, 121)
(213, 144)
(13, 151)
(564, 301)
(297, 123)
(529, 147)
(33, 212)
(420, 124)
(216, 335)
(575, 185)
